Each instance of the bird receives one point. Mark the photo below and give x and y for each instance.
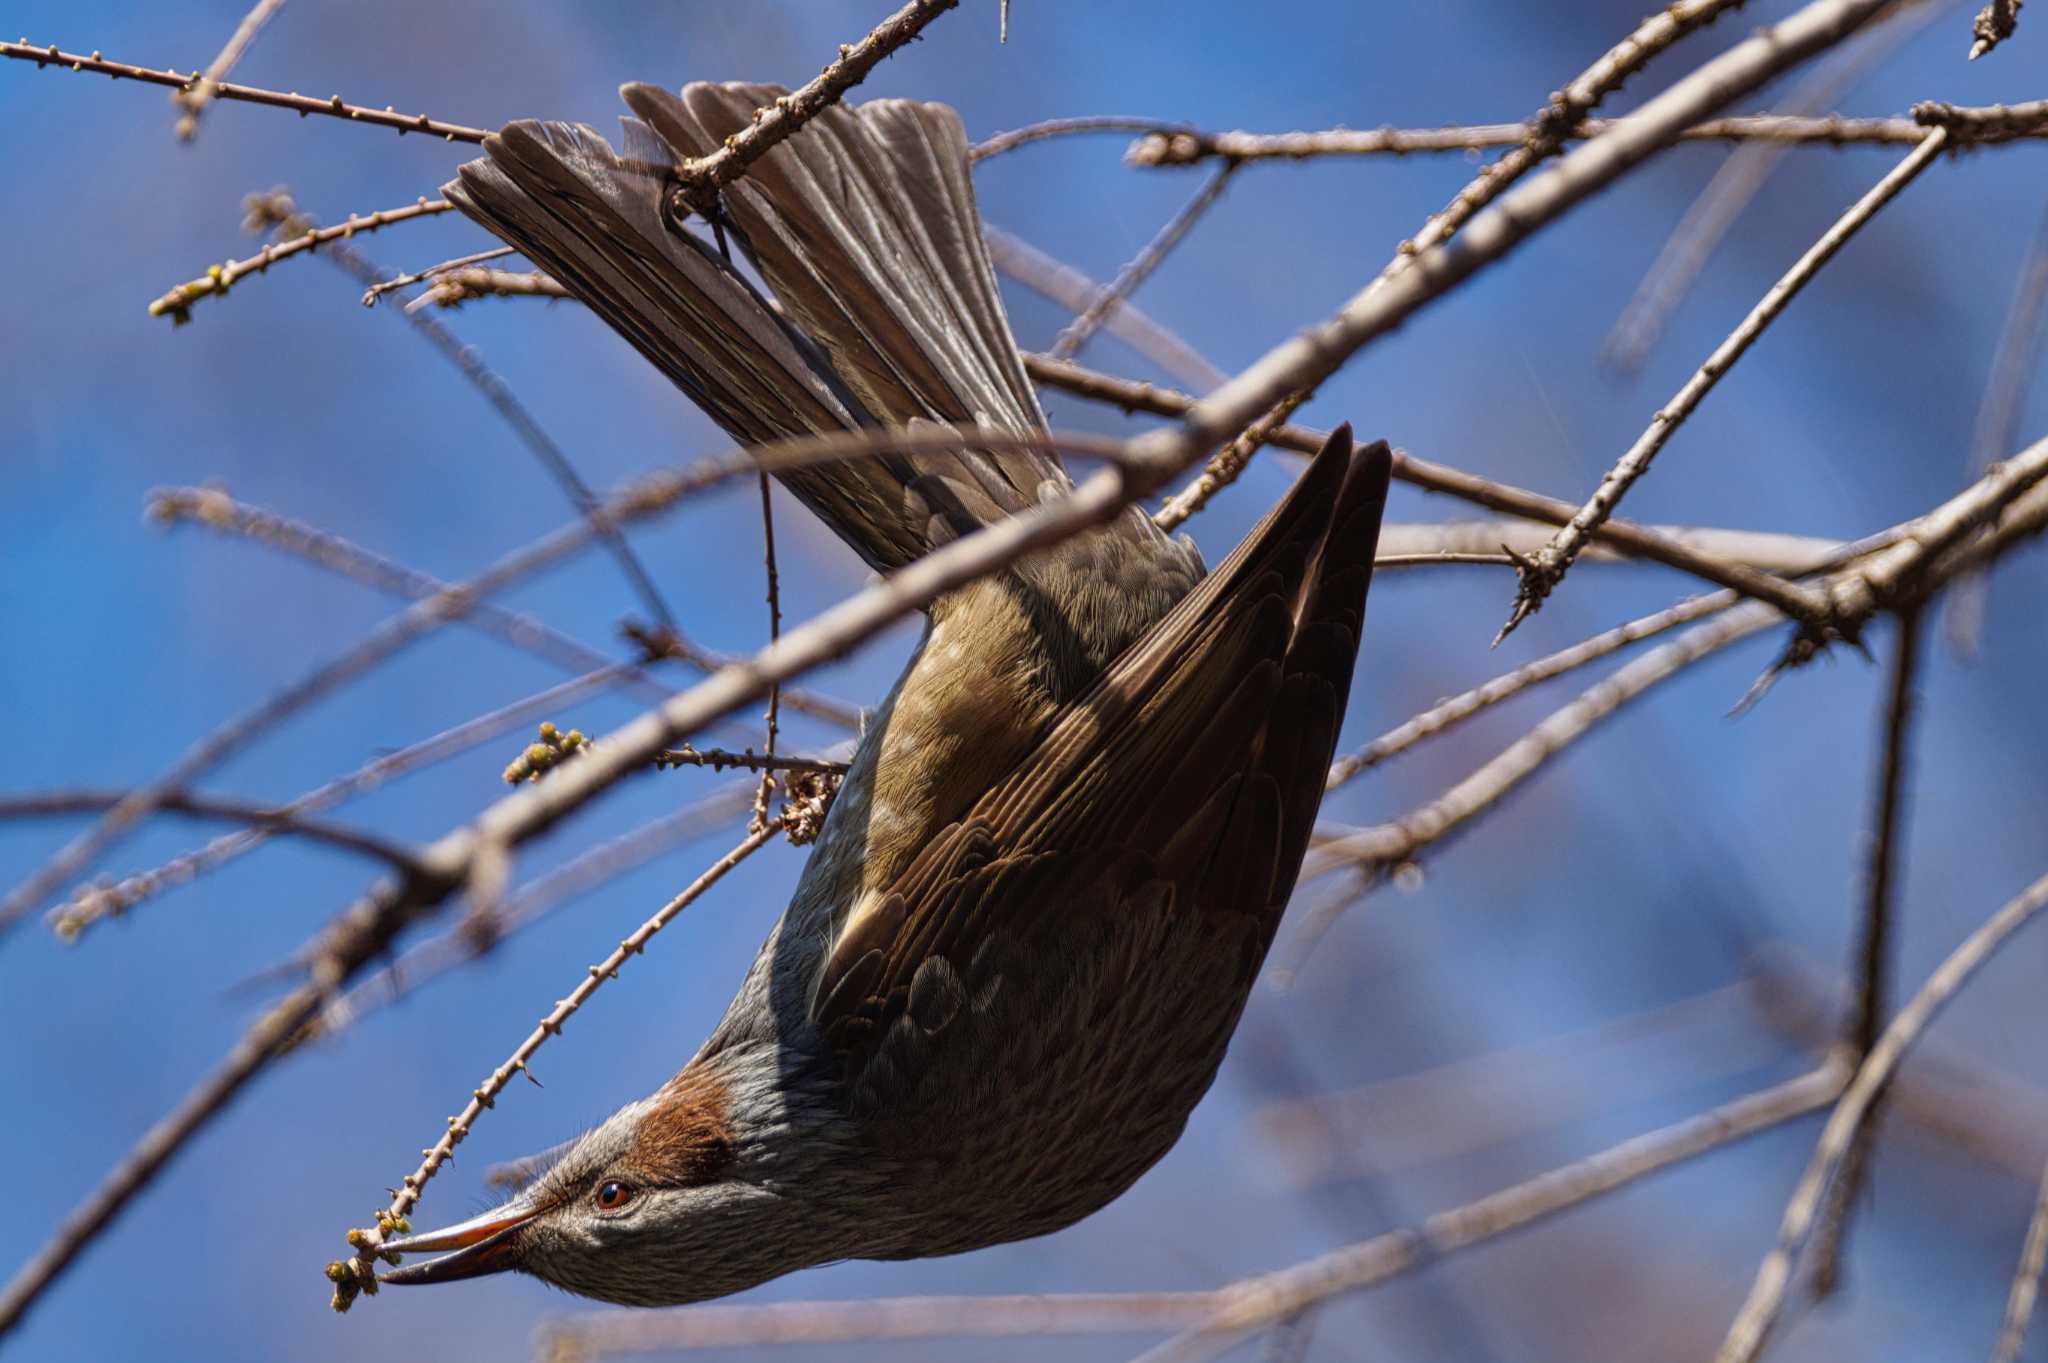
(1016, 955)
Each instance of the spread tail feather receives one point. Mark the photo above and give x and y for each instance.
(863, 225)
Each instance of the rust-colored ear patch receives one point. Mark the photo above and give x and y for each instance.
(687, 1138)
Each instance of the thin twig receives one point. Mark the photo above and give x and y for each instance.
(177, 303)
(699, 181)
(656, 643)
(720, 759)
(1224, 467)
(1767, 1295)
(195, 99)
(406, 281)
(299, 104)
(2026, 1283)
(1073, 290)
(486, 1094)
(1547, 567)
(457, 287)
(767, 786)
(1253, 1303)
(1873, 949)
(1990, 121)
(1076, 333)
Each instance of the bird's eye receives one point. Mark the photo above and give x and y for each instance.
(613, 1195)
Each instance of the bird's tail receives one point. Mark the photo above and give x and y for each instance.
(863, 225)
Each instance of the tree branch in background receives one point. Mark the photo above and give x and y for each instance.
(1149, 258)
(1767, 1296)
(1874, 952)
(202, 90)
(302, 105)
(1547, 567)
(1739, 179)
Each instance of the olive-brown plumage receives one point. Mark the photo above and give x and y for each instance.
(1017, 954)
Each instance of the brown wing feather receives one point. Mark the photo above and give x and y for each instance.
(1193, 768)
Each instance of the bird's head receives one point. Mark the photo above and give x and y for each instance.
(672, 1199)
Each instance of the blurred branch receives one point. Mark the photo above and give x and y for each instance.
(2026, 1283)
(669, 643)
(96, 902)
(1072, 290)
(1764, 550)
(214, 509)
(269, 818)
(299, 104)
(1546, 568)
(1149, 258)
(1998, 415)
(652, 495)
(605, 1334)
(1068, 127)
(1767, 1296)
(202, 91)
(277, 211)
(1874, 950)
(1252, 1303)
(1742, 175)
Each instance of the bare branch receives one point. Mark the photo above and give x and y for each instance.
(1256, 1302)
(363, 1268)
(299, 104)
(1874, 951)
(1226, 464)
(1741, 177)
(701, 180)
(2026, 1283)
(177, 303)
(1767, 1296)
(1548, 566)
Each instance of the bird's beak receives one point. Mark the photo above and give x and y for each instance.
(483, 1244)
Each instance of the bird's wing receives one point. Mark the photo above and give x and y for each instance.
(1195, 766)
